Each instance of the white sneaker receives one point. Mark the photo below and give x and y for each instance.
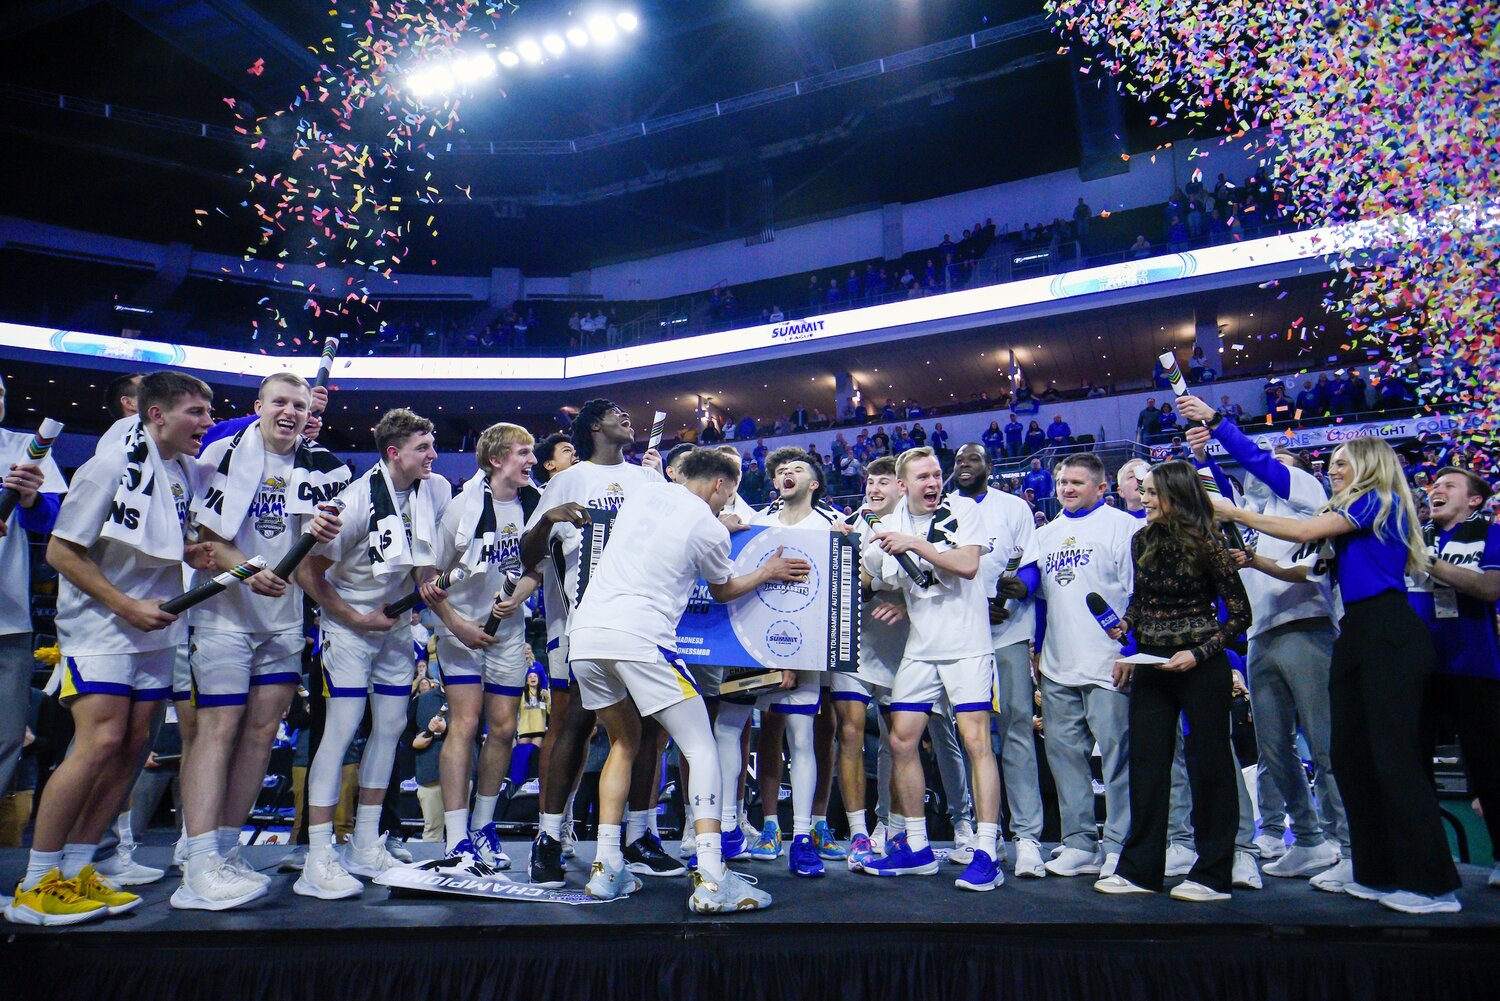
(236, 860)
(569, 840)
(122, 869)
(396, 848)
(1270, 846)
(1058, 849)
(215, 888)
(1029, 859)
(962, 852)
(1333, 880)
(1300, 861)
(1180, 860)
(294, 860)
(752, 833)
(608, 882)
(877, 839)
(1495, 877)
(1196, 893)
(688, 847)
(367, 863)
(1118, 885)
(1111, 863)
(179, 853)
(323, 877)
(1408, 902)
(1246, 872)
(1075, 862)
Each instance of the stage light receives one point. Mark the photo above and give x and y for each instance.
(603, 30)
(554, 44)
(509, 59)
(578, 37)
(530, 51)
(627, 21)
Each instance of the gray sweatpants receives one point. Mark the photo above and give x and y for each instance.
(1018, 766)
(1074, 719)
(951, 769)
(16, 665)
(1180, 824)
(1289, 689)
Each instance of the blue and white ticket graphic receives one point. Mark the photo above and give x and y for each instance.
(808, 626)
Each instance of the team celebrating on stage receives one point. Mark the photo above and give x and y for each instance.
(1113, 624)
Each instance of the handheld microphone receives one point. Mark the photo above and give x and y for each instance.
(1100, 610)
(325, 365)
(408, 602)
(304, 544)
(36, 451)
(923, 578)
(203, 592)
(492, 624)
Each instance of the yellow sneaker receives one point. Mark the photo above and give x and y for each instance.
(92, 886)
(53, 901)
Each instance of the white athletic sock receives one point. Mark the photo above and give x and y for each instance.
(610, 852)
(916, 833)
(366, 827)
(455, 826)
(199, 845)
(38, 864)
(710, 856)
(319, 839)
(635, 825)
(987, 836)
(75, 857)
(895, 824)
(652, 817)
(801, 826)
(729, 818)
(127, 835)
(229, 838)
(857, 824)
(484, 811)
(551, 825)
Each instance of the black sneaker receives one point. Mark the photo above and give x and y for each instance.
(646, 857)
(546, 865)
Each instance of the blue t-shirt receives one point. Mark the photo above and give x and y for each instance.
(1370, 563)
(1468, 643)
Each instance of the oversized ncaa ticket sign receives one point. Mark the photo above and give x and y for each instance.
(808, 626)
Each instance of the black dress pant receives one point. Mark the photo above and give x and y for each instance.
(1157, 699)
(1471, 706)
(1377, 683)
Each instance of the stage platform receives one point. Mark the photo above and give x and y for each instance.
(845, 937)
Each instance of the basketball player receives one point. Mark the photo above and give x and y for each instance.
(622, 639)
(388, 544)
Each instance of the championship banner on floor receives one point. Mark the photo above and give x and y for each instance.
(811, 626)
(413, 881)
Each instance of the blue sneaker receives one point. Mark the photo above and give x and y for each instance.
(982, 873)
(860, 852)
(896, 842)
(732, 844)
(487, 841)
(767, 847)
(803, 859)
(900, 860)
(827, 846)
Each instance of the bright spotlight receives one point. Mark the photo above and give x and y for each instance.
(530, 51)
(627, 21)
(442, 80)
(554, 44)
(419, 84)
(473, 68)
(509, 59)
(603, 29)
(578, 37)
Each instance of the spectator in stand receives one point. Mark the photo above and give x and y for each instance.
(1141, 248)
(1230, 410)
(522, 326)
(1324, 390)
(914, 411)
(835, 295)
(1081, 216)
(1280, 409)
(900, 441)
(1195, 220)
(1092, 390)
(1148, 421)
(746, 429)
(1036, 439)
(939, 438)
(880, 441)
(1198, 367)
(994, 439)
(1167, 421)
(818, 420)
(575, 328)
(1393, 394)
(1059, 433)
(1159, 375)
(1177, 235)
(1037, 483)
(918, 436)
(759, 455)
(1050, 394)
(1014, 435)
(612, 331)
(852, 290)
(1307, 400)
(799, 419)
(814, 294)
(888, 412)
(1358, 392)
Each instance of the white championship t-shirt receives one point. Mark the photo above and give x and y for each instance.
(269, 531)
(473, 596)
(15, 556)
(949, 620)
(85, 627)
(664, 539)
(1075, 555)
(350, 574)
(592, 486)
(1276, 602)
(881, 644)
(1008, 522)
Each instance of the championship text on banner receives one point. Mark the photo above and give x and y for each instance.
(811, 626)
(1332, 435)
